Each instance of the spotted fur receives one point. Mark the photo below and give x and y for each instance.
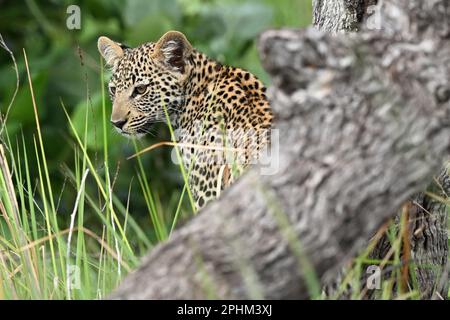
(221, 114)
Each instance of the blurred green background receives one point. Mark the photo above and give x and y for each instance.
(65, 67)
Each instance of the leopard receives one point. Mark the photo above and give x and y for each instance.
(220, 115)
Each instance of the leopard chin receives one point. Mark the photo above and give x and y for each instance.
(131, 135)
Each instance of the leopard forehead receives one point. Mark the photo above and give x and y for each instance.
(136, 66)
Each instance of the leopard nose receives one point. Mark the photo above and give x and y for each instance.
(119, 123)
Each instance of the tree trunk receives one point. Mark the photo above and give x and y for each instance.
(428, 235)
(429, 239)
(339, 15)
(427, 256)
(364, 123)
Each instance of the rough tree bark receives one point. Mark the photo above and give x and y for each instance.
(364, 123)
(428, 234)
(427, 257)
(339, 15)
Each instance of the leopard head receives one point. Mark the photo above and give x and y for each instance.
(146, 81)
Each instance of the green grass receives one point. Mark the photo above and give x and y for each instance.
(40, 253)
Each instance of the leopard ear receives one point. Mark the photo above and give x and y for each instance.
(173, 50)
(110, 50)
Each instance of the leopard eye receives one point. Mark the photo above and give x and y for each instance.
(140, 89)
(112, 90)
